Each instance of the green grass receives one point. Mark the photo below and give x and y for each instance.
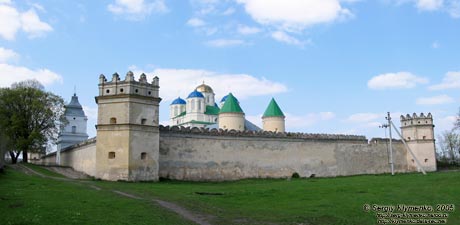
(28, 200)
(43, 170)
(33, 200)
(308, 201)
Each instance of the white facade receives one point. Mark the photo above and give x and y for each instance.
(75, 131)
(198, 110)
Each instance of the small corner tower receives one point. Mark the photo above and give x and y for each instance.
(231, 116)
(177, 109)
(75, 131)
(273, 118)
(127, 146)
(418, 132)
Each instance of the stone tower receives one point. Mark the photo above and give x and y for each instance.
(75, 131)
(231, 116)
(127, 146)
(273, 118)
(418, 132)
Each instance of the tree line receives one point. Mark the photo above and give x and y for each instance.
(30, 119)
(448, 149)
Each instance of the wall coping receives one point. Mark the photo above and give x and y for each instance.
(258, 134)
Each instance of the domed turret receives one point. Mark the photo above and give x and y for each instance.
(196, 102)
(231, 116)
(177, 107)
(273, 118)
(208, 94)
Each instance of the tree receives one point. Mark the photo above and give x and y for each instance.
(30, 117)
(449, 143)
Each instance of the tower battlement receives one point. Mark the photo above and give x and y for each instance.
(128, 86)
(422, 119)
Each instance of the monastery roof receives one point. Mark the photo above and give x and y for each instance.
(225, 98)
(195, 94)
(273, 110)
(231, 105)
(204, 88)
(178, 101)
(74, 107)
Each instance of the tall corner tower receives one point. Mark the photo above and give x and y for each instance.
(231, 116)
(127, 146)
(273, 118)
(74, 131)
(418, 132)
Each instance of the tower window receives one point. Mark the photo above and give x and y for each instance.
(74, 129)
(113, 120)
(74, 118)
(418, 122)
(408, 138)
(111, 155)
(144, 155)
(107, 91)
(150, 92)
(136, 90)
(143, 121)
(424, 137)
(121, 90)
(426, 160)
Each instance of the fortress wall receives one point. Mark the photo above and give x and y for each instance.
(191, 154)
(81, 157)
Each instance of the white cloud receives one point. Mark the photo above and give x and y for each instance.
(397, 80)
(229, 11)
(286, 38)
(364, 117)
(180, 82)
(11, 21)
(294, 122)
(294, 14)
(32, 24)
(454, 8)
(450, 80)
(137, 9)
(436, 100)
(246, 30)
(11, 74)
(435, 45)
(429, 5)
(195, 22)
(225, 42)
(7, 55)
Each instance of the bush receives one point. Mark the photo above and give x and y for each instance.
(295, 175)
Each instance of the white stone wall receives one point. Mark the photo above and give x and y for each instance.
(203, 157)
(82, 158)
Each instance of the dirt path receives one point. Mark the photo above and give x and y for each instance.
(187, 214)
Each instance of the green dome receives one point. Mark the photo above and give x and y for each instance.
(231, 105)
(273, 110)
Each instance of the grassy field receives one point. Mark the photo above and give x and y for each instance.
(32, 200)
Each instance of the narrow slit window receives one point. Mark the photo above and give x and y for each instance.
(113, 120)
(144, 155)
(143, 121)
(111, 155)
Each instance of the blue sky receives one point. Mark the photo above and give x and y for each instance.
(334, 66)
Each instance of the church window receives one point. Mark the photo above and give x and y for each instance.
(74, 129)
(199, 105)
(193, 105)
(111, 155)
(113, 120)
(121, 90)
(144, 155)
(143, 121)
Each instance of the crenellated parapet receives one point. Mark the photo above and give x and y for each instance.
(415, 119)
(259, 134)
(129, 85)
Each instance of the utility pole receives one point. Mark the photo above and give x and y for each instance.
(391, 145)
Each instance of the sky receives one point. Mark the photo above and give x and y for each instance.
(333, 66)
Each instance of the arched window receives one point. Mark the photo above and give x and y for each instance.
(199, 105)
(74, 129)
